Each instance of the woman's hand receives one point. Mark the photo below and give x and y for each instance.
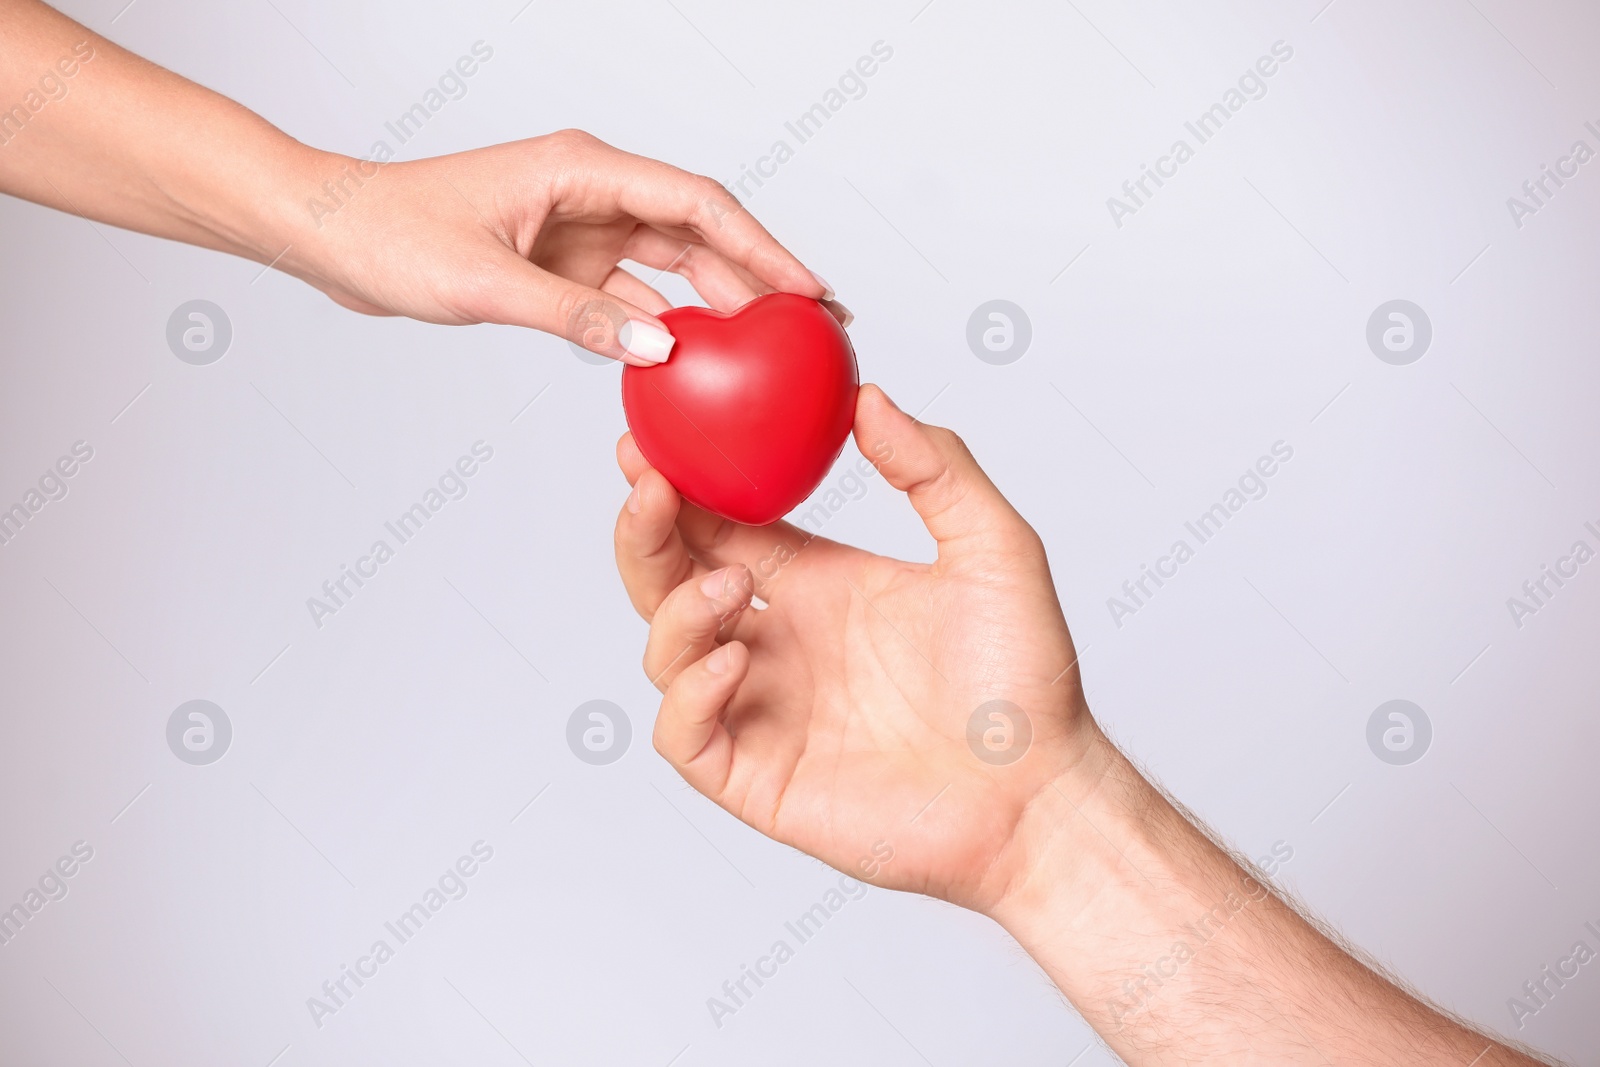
(853, 716)
(528, 233)
(531, 233)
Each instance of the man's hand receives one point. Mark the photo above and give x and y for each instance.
(858, 717)
(837, 717)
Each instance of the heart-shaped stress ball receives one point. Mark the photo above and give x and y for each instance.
(751, 410)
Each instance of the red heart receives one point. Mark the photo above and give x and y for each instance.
(751, 410)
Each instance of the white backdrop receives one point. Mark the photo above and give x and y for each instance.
(1172, 345)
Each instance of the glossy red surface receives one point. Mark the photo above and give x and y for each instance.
(751, 410)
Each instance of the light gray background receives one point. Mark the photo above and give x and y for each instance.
(1228, 314)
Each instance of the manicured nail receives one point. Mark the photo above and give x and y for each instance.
(718, 661)
(643, 341)
(827, 290)
(634, 503)
(849, 316)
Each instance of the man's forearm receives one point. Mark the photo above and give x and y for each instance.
(90, 128)
(1176, 954)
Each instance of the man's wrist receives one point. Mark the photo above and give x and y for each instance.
(1112, 875)
(1073, 839)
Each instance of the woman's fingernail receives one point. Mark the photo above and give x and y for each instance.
(717, 662)
(714, 584)
(827, 290)
(644, 341)
(634, 503)
(849, 316)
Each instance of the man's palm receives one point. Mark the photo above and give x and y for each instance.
(872, 702)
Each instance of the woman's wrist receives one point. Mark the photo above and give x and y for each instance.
(287, 209)
(262, 211)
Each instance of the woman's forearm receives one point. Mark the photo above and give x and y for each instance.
(90, 128)
(529, 233)
(1152, 931)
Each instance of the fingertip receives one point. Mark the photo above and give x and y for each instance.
(728, 590)
(797, 278)
(879, 421)
(647, 518)
(656, 494)
(727, 664)
(600, 321)
(872, 398)
(807, 283)
(630, 458)
(689, 732)
(769, 261)
(841, 314)
(644, 340)
(742, 580)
